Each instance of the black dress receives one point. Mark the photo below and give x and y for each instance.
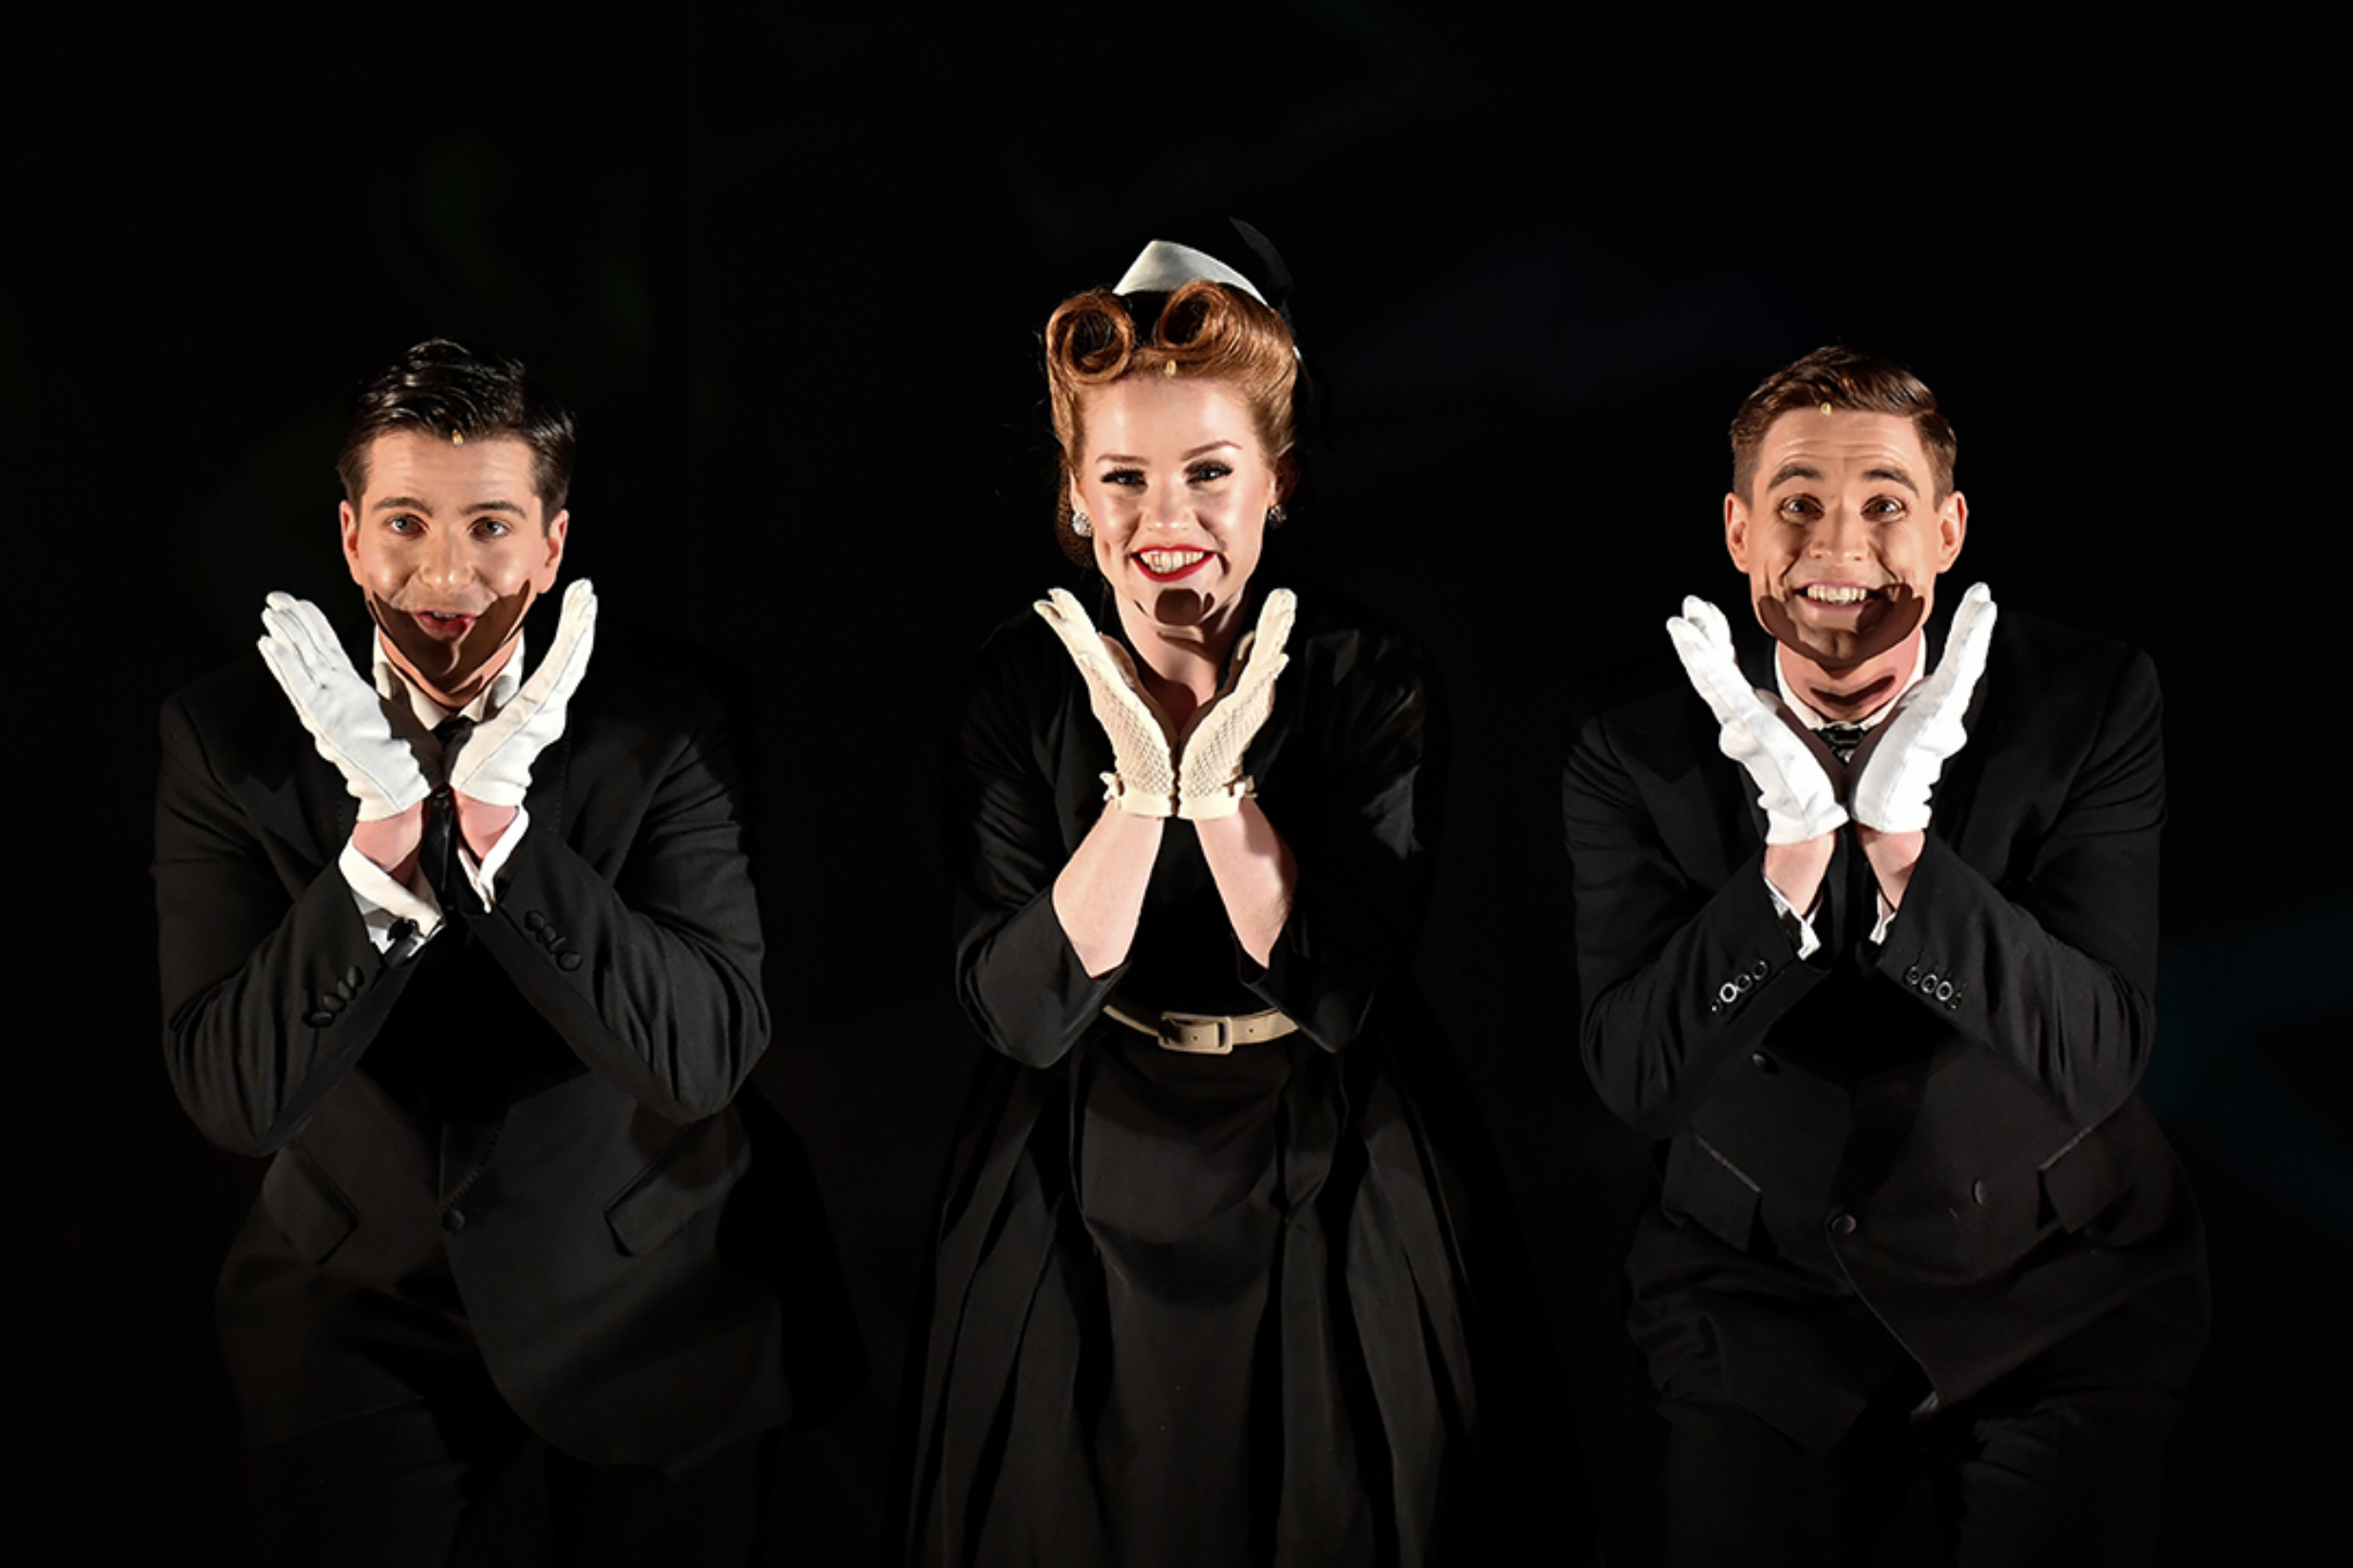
(1194, 1309)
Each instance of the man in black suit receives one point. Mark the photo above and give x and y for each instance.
(1879, 977)
(475, 958)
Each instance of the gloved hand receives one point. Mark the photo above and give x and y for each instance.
(372, 744)
(1899, 763)
(1144, 779)
(1210, 781)
(494, 763)
(1792, 783)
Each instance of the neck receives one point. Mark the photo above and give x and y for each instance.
(1180, 665)
(1855, 693)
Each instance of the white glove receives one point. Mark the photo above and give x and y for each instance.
(1906, 752)
(494, 763)
(1144, 776)
(1792, 785)
(1210, 781)
(372, 743)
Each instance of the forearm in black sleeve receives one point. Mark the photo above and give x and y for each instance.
(649, 969)
(2057, 968)
(271, 989)
(1678, 978)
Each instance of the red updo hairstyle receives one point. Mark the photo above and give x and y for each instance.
(1204, 329)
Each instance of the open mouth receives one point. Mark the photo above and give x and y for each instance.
(448, 624)
(1170, 565)
(1840, 596)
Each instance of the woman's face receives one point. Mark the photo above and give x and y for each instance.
(1172, 473)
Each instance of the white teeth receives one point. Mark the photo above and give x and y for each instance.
(1821, 594)
(1170, 560)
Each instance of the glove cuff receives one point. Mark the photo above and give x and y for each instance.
(1209, 805)
(1136, 803)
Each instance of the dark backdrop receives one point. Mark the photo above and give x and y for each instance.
(791, 274)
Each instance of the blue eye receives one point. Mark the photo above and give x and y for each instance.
(1130, 477)
(1205, 472)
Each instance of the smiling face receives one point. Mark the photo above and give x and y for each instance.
(449, 546)
(1171, 472)
(1844, 538)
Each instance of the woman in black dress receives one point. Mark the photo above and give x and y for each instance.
(1198, 1288)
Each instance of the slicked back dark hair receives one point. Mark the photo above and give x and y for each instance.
(442, 389)
(1843, 377)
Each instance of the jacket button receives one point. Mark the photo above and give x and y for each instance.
(317, 1017)
(532, 919)
(1977, 1189)
(1762, 969)
(569, 962)
(454, 1219)
(1928, 982)
(353, 978)
(1912, 976)
(1763, 1062)
(1728, 993)
(1843, 1225)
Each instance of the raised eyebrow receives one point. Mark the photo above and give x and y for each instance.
(1788, 472)
(1207, 447)
(410, 503)
(1893, 476)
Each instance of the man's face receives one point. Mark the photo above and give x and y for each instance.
(1842, 537)
(449, 547)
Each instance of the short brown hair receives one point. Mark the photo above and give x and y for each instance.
(1842, 377)
(440, 387)
(1204, 329)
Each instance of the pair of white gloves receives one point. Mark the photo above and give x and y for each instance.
(1890, 776)
(373, 744)
(1159, 771)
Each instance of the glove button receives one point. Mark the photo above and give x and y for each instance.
(1844, 1226)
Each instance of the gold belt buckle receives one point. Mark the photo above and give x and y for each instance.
(1197, 1034)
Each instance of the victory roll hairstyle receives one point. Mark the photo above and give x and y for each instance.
(441, 389)
(1846, 379)
(1203, 329)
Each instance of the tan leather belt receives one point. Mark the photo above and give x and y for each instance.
(1203, 1034)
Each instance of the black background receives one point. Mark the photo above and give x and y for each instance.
(791, 273)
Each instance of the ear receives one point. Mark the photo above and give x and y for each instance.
(1737, 530)
(350, 520)
(1952, 528)
(544, 575)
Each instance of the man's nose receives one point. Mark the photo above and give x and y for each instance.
(446, 564)
(1841, 534)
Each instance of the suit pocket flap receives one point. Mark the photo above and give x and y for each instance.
(701, 1163)
(2080, 1180)
(1702, 1185)
(309, 1210)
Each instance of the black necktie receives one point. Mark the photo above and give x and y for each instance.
(436, 853)
(1841, 739)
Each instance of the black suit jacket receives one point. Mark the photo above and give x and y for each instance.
(1929, 1150)
(528, 1137)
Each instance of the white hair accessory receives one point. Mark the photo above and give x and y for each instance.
(1164, 266)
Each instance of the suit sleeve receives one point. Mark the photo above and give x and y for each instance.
(1680, 975)
(270, 986)
(2056, 968)
(646, 961)
(1359, 835)
(1019, 978)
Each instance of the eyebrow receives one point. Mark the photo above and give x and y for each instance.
(1205, 447)
(1806, 470)
(410, 503)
